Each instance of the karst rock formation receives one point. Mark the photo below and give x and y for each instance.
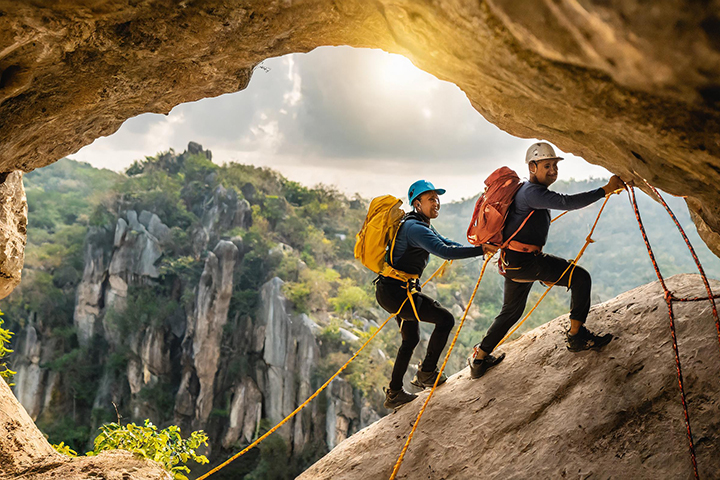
(547, 413)
(632, 86)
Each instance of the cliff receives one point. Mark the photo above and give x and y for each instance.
(166, 326)
(547, 413)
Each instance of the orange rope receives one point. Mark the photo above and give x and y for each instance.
(563, 213)
(669, 301)
(439, 271)
(447, 357)
(588, 241)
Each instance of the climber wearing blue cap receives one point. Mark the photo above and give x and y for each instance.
(415, 241)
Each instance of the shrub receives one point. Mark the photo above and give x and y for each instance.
(350, 298)
(165, 446)
(5, 335)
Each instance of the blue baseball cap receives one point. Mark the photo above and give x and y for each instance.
(420, 187)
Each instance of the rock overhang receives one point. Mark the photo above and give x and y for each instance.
(633, 88)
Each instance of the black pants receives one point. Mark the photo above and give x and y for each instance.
(390, 294)
(529, 267)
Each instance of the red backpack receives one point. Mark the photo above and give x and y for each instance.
(492, 207)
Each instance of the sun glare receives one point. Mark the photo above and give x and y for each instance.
(396, 71)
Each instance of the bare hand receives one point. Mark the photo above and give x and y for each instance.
(615, 183)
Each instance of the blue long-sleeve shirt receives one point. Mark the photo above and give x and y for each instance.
(416, 240)
(533, 196)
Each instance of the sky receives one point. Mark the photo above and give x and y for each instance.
(363, 120)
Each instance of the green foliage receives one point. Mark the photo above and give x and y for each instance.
(157, 192)
(5, 335)
(80, 373)
(147, 305)
(164, 446)
(62, 426)
(161, 398)
(65, 449)
(350, 298)
(273, 463)
(312, 290)
(244, 302)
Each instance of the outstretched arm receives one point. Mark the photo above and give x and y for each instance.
(420, 235)
(547, 199)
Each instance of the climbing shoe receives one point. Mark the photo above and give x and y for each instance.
(395, 399)
(586, 340)
(479, 367)
(427, 379)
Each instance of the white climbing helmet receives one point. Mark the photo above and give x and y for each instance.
(540, 151)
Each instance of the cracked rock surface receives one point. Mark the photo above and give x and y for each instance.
(629, 85)
(545, 412)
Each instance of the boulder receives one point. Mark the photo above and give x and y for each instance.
(545, 412)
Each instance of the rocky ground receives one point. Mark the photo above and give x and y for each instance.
(548, 413)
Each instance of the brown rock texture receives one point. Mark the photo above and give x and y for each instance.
(26, 455)
(13, 231)
(547, 413)
(632, 86)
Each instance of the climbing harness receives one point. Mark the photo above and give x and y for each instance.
(669, 298)
(588, 241)
(439, 272)
(447, 357)
(571, 267)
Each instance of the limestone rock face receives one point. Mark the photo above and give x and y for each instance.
(29, 391)
(609, 414)
(91, 290)
(13, 231)
(290, 352)
(213, 302)
(182, 352)
(245, 413)
(631, 87)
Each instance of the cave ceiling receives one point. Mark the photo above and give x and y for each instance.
(632, 86)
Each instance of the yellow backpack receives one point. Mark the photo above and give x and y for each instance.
(377, 236)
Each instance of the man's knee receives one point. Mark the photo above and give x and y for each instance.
(446, 321)
(410, 339)
(580, 278)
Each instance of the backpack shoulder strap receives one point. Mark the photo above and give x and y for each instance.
(506, 242)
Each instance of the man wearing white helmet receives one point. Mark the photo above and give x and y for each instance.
(523, 261)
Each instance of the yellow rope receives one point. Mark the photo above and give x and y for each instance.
(439, 271)
(447, 357)
(588, 241)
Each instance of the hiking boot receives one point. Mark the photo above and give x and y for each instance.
(479, 367)
(427, 379)
(585, 340)
(395, 399)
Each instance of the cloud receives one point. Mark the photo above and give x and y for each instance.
(361, 119)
